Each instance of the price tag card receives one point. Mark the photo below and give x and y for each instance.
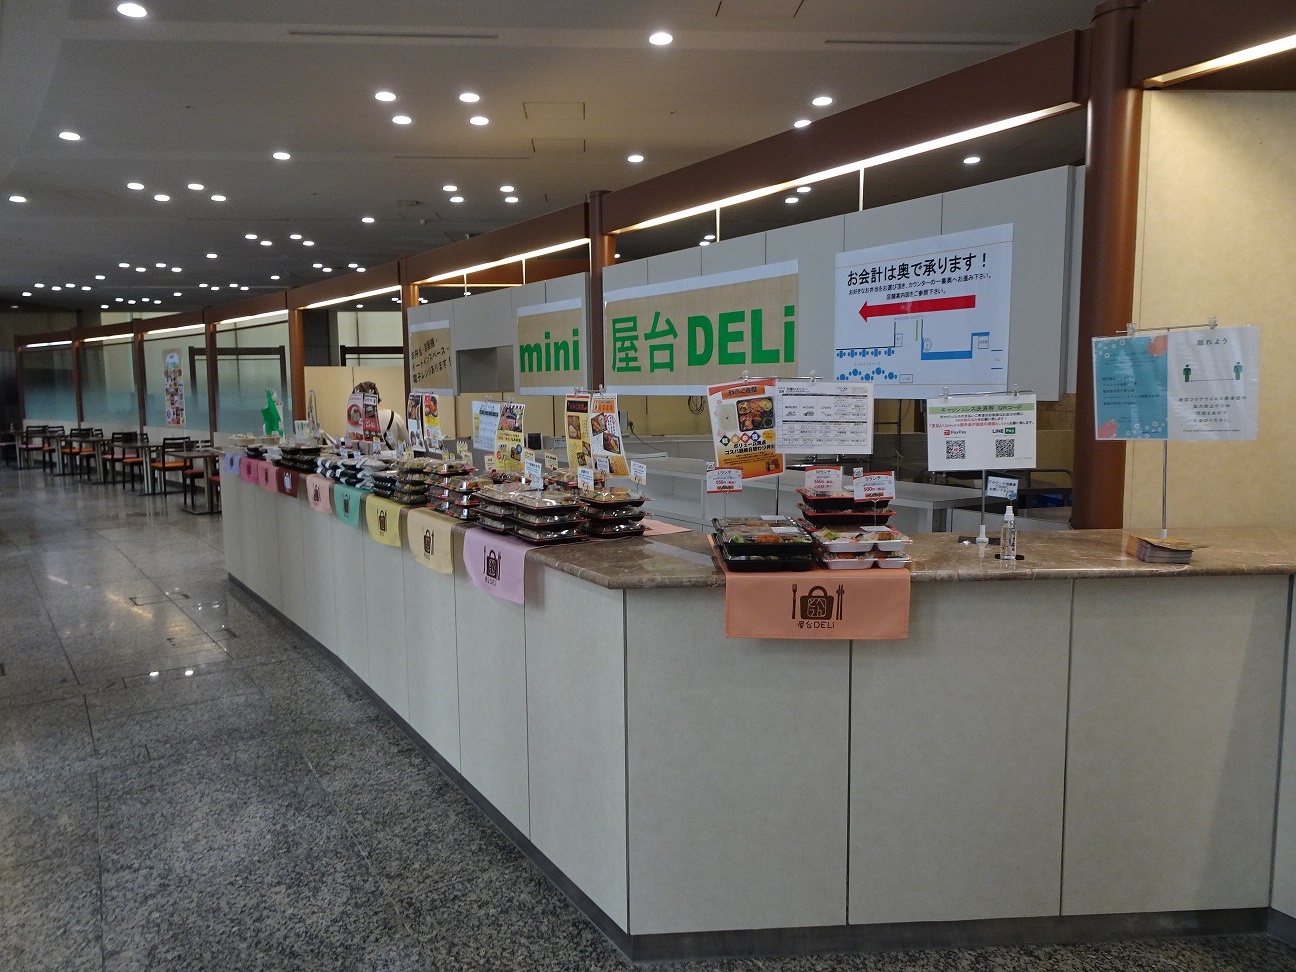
(465, 449)
(639, 473)
(823, 479)
(528, 455)
(550, 460)
(602, 464)
(490, 462)
(534, 474)
(874, 487)
(724, 480)
(585, 478)
(1002, 487)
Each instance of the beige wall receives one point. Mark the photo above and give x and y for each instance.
(1217, 238)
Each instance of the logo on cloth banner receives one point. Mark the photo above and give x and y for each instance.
(382, 520)
(346, 503)
(287, 481)
(817, 608)
(428, 543)
(492, 568)
(315, 494)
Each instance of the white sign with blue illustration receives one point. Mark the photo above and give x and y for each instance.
(921, 318)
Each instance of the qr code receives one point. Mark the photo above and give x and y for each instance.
(1005, 448)
(955, 449)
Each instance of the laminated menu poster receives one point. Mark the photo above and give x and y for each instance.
(173, 393)
(577, 430)
(593, 430)
(824, 417)
(1193, 385)
(975, 432)
(432, 433)
(509, 436)
(486, 416)
(742, 427)
(414, 421)
(496, 564)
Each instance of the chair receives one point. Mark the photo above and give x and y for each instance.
(49, 449)
(192, 474)
(132, 459)
(165, 465)
(30, 445)
(9, 445)
(85, 453)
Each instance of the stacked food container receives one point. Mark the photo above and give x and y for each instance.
(452, 488)
(538, 516)
(763, 543)
(612, 512)
(854, 548)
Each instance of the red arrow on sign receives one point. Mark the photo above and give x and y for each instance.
(918, 306)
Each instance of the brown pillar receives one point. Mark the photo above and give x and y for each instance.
(212, 391)
(296, 365)
(22, 388)
(1107, 252)
(141, 378)
(409, 300)
(602, 254)
(76, 381)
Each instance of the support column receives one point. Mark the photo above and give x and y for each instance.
(141, 378)
(296, 365)
(409, 300)
(209, 333)
(1107, 251)
(602, 254)
(76, 381)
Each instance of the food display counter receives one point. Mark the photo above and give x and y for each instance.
(1077, 745)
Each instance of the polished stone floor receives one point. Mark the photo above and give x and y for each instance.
(184, 785)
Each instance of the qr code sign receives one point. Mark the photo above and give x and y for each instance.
(955, 449)
(1005, 448)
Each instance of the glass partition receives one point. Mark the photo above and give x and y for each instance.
(175, 381)
(108, 383)
(251, 358)
(48, 394)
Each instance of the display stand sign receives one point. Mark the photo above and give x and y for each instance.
(230, 463)
(431, 346)
(1001, 487)
(429, 537)
(319, 491)
(593, 432)
(576, 423)
(823, 417)
(173, 391)
(823, 479)
(723, 480)
(383, 517)
(509, 437)
(496, 564)
(486, 416)
(678, 337)
(873, 487)
(287, 481)
(860, 605)
(1191, 385)
(347, 501)
(979, 432)
(742, 427)
(550, 357)
(423, 420)
(914, 318)
(414, 421)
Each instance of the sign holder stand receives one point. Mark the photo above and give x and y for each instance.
(981, 539)
(1132, 330)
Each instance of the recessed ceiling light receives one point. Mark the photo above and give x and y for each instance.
(385, 96)
(478, 120)
(141, 269)
(274, 276)
(56, 287)
(366, 219)
(217, 287)
(38, 286)
(705, 243)
(709, 236)
(792, 199)
(197, 186)
(26, 293)
(162, 197)
(308, 242)
(119, 300)
(160, 266)
(972, 160)
(85, 288)
(267, 243)
(281, 156)
(137, 186)
(660, 38)
(70, 136)
(801, 123)
(328, 269)
(823, 101)
(124, 266)
(130, 301)
(508, 189)
(449, 188)
(211, 256)
(360, 269)
(15, 198)
(203, 286)
(510, 199)
(177, 269)
(317, 266)
(249, 236)
(803, 189)
(636, 158)
(456, 199)
(242, 288)
(131, 10)
(470, 97)
(402, 120)
(103, 306)
(177, 294)
(295, 236)
(352, 266)
(218, 198)
(100, 276)
(70, 286)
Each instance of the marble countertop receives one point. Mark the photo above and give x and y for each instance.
(684, 559)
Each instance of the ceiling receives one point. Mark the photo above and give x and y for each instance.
(201, 92)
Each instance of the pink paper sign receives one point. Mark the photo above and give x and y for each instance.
(249, 471)
(320, 493)
(266, 477)
(496, 564)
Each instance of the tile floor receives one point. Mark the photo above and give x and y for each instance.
(248, 808)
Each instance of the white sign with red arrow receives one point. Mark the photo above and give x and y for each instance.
(916, 319)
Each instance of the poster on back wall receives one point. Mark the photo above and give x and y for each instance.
(173, 393)
(551, 358)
